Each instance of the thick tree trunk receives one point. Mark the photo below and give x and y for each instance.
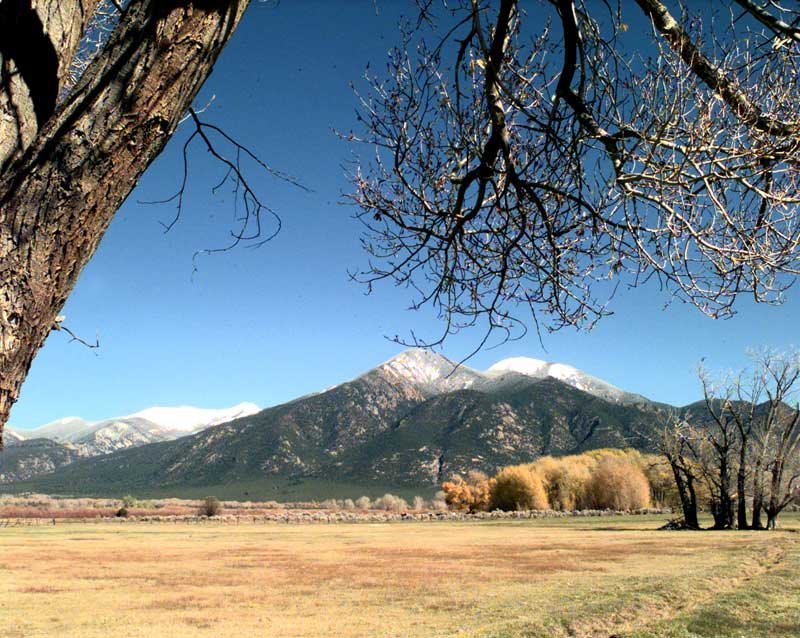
(758, 494)
(722, 507)
(58, 196)
(687, 495)
(38, 43)
(741, 487)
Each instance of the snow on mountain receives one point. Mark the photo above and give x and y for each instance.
(148, 426)
(431, 371)
(11, 438)
(191, 419)
(436, 374)
(63, 428)
(524, 365)
(578, 379)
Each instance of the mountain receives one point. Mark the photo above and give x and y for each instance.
(411, 421)
(24, 459)
(80, 438)
(537, 369)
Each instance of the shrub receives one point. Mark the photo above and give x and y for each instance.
(122, 512)
(348, 504)
(419, 503)
(363, 503)
(390, 503)
(471, 494)
(129, 502)
(439, 502)
(564, 480)
(618, 484)
(659, 474)
(210, 507)
(517, 487)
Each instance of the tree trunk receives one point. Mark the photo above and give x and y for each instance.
(691, 519)
(741, 487)
(58, 197)
(687, 495)
(758, 494)
(722, 506)
(38, 42)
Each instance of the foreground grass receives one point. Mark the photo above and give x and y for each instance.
(560, 577)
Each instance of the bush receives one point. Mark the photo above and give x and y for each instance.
(419, 503)
(348, 504)
(517, 487)
(363, 503)
(129, 502)
(471, 494)
(564, 480)
(618, 484)
(122, 512)
(330, 504)
(390, 503)
(210, 507)
(439, 502)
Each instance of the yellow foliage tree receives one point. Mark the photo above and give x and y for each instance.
(517, 487)
(618, 483)
(564, 479)
(471, 494)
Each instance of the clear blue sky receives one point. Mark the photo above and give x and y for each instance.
(271, 324)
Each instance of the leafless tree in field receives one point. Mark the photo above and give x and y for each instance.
(747, 429)
(675, 446)
(528, 156)
(90, 92)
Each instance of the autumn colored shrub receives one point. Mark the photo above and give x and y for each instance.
(471, 494)
(564, 479)
(617, 483)
(210, 506)
(659, 475)
(517, 487)
(390, 503)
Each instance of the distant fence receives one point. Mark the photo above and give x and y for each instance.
(306, 517)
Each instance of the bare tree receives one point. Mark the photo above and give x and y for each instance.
(527, 162)
(85, 107)
(746, 429)
(716, 446)
(675, 447)
(774, 427)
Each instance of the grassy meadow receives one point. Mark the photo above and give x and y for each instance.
(605, 577)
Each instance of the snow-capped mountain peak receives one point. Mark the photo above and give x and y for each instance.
(524, 365)
(189, 419)
(147, 426)
(431, 371)
(578, 379)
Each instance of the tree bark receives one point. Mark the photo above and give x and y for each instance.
(758, 492)
(741, 485)
(58, 196)
(38, 43)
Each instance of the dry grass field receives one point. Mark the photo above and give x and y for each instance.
(561, 577)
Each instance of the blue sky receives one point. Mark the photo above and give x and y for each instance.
(271, 324)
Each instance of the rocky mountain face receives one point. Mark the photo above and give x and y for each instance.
(25, 459)
(63, 441)
(413, 420)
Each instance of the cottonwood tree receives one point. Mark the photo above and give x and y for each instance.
(90, 92)
(531, 155)
(674, 443)
(747, 429)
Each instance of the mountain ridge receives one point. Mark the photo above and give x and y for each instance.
(411, 420)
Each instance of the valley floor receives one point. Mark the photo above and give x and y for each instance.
(551, 577)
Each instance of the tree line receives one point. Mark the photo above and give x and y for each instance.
(740, 445)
